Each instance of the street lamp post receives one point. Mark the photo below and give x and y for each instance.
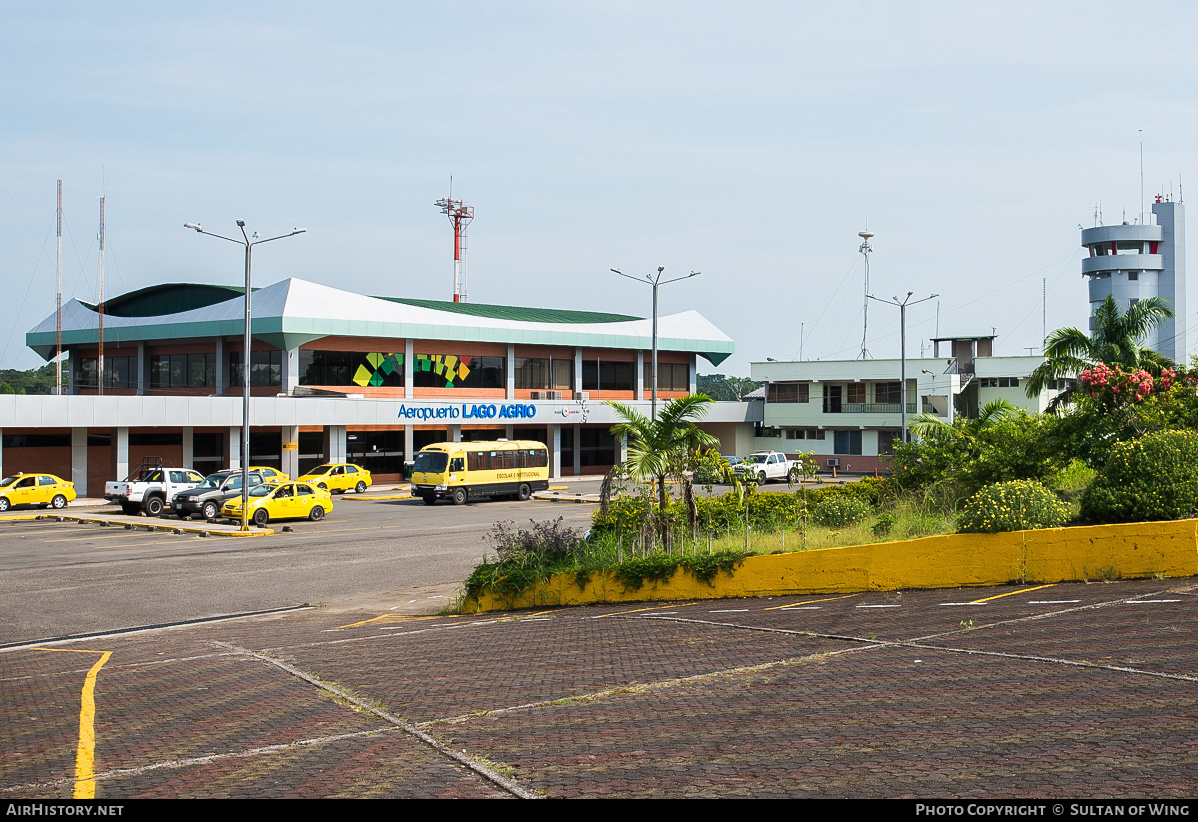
(903, 348)
(656, 282)
(249, 241)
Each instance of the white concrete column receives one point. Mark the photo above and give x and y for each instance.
(221, 376)
(120, 452)
(555, 449)
(622, 449)
(509, 431)
(511, 371)
(409, 364)
(290, 452)
(693, 379)
(143, 362)
(1, 452)
(577, 449)
(409, 443)
(455, 433)
(79, 460)
(189, 451)
(577, 371)
(334, 443)
(290, 371)
(640, 375)
(233, 447)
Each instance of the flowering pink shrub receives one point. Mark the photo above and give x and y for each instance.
(1111, 385)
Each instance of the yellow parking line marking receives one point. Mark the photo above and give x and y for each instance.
(85, 752)
(808, 602)
(639, 610)
(1011, 593)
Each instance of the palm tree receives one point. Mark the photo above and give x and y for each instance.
(1114, 340)
(663, 448)
(929, 426)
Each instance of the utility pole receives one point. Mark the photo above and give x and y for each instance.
(903, 332)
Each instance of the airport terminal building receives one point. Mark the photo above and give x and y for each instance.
(343, 377)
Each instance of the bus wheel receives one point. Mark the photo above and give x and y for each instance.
(429, 499)
(459, 496)
(525, 492)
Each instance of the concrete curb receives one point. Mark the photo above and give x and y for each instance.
(133, 523)
(554, 496)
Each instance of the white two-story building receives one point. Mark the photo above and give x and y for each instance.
(848, 413)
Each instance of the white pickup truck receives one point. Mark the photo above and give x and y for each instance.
(762, 466)
(149, 488)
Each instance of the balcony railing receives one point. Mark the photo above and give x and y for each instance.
(879, 408)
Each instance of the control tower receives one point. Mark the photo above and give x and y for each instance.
(1134, 262)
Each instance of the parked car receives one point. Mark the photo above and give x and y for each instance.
(271, 475)
(150, 488)
(287, 500)
(207, 498)
(45, 490)
(340, 476)
(761, 466)
(704, 476)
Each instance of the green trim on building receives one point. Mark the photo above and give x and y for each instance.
(168, 298)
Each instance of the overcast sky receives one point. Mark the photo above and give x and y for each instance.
(748, 141)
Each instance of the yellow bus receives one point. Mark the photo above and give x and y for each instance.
(467, 470)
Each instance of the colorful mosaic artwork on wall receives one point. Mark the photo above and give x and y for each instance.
(382, 364)
(450, 367)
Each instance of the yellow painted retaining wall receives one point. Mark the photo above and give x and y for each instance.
(1144, 549)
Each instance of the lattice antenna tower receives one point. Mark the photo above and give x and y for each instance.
(460, 216)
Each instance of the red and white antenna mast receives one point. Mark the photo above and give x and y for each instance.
(460, 215)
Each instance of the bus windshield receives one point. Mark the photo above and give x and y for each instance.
(431, 462)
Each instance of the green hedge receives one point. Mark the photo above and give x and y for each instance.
(1151, 478)
(768, 510)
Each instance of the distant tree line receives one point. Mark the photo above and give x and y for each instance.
(726, 389)
(33, 381)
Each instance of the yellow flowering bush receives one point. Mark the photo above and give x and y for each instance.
(1151, 478)
(1012, 506)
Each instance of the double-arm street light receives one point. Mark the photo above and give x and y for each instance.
(655, 281)
(249, 241)
(903, 326)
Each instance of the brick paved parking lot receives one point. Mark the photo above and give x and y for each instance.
(1078, 690)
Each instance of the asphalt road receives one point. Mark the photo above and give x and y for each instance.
(59, 579)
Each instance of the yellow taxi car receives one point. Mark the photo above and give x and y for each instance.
(270, 475)
(339, 476)
(35, 489)
(286, 500)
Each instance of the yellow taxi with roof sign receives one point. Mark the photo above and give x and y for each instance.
(45, 490)
(285, 500)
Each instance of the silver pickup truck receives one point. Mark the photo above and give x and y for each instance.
(150, 488)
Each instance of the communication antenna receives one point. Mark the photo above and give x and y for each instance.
(58, 302)
(460, 215)
(865, 250)
(100, 305)
(1142, 208)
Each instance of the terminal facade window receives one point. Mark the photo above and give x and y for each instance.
(182, 370)
(380, 368)
(612, 375)
(119, 372)
(544, 373)
(266, 367)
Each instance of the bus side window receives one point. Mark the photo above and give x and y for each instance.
(457, 464)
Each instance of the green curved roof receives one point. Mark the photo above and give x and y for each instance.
(516, 312)
(168, 298)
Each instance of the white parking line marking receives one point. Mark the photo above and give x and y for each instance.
(804, 607)
(663, 613)
(1052, 601)
(961, 603)
(1146, 601)
(879, 606)
(730, 611)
